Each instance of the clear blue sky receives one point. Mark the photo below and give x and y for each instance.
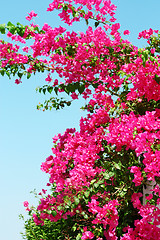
(25, 133)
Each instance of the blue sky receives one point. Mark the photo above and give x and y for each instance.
(25, 133)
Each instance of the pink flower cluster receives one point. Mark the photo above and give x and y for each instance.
(88, 168)
(31, 15)
(138, 133)
(146, 34)
(77, 151)
(106, 215)
(87, 234)
(68, 14)
(146, 228)
(137, 175)
(9, 55)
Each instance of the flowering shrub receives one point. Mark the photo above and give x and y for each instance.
(97, 174)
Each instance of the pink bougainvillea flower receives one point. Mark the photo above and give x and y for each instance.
(48, 79)
(25, 49)
(25, 204)
(106, 26)
(55, 82)
(113, 19)
(18, 81)
(44, 191)
(87, 234)
(74, 95)
(126, 32)
(145, 34)
(149, 197)
(97, 64)
(31, 15)
(153, 50)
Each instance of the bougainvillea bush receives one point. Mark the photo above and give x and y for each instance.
(98, 174)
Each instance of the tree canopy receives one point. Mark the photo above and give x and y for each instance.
(98, 174)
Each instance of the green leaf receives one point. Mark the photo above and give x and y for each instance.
(2, 28)
(28, 75)
(9, 24)
(118, 165)
(44, 90)
(2, 72)
(107, 176)
(54, 213)
(152, 58)
(76, 199)
(39, 89)
(50, 89)
(21, 31)
(93, 181)
(37, 29)
(31, 29)
(96, 185)
(87, 194)
(85, 216)
(59, 208)
(73, 12)
(56, 90)
(78, 237)
(19, 24)
(81, 88)
(123, 193)
(82, 11)
(157, 79)
(20, 74)
(95, 85)
(74, 228)
(11, 27)
(96, 24)
(65, 8)
(8, 74)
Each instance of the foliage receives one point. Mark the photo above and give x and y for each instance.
(96, 174)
